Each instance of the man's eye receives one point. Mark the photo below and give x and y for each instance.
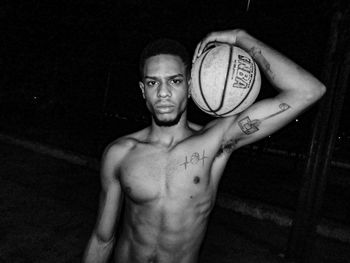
(151, 83)
(176, 81)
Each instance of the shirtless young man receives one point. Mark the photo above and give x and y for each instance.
(167, 174)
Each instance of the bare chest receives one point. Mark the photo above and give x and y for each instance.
(150, 174)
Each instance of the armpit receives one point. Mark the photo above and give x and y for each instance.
(227, 147)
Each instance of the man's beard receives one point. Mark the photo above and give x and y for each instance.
(167, 123)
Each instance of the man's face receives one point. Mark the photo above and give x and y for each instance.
(165, 88)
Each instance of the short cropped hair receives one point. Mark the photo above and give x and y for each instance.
(164, 46)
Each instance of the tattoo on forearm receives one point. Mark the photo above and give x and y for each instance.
(194, 159)
(249, 126)
(258, 56)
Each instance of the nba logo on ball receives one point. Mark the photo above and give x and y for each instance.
(225, 81)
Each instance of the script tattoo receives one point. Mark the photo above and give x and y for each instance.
(194, 159)
(249, 126)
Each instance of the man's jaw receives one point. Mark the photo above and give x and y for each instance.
(162, 120)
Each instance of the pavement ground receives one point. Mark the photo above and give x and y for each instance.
(48, 208)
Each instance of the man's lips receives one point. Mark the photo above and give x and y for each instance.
(161, 104)
(164, 108)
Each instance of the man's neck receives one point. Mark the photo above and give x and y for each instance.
(169, 136)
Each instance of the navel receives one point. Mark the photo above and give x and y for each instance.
(196, 179)
(128, 190)
(152, 259)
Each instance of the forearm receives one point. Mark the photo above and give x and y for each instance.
(282, 72)
(98, 251)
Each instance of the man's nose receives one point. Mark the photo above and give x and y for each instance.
(164, 90)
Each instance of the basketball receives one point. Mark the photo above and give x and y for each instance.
(225, 80)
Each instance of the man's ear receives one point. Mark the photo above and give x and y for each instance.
(189, 88)
(142, 87)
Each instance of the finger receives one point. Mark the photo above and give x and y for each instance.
(195, 55)
(206, 46)
(202, 47)
(210, 39)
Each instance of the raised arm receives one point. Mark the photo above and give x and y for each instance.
(101, 241)
(297, 90)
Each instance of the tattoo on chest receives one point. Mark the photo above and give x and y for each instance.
(194, 159)
(249, 126)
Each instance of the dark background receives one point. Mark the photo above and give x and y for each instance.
(69, 78)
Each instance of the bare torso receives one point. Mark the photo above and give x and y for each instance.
(169, 194)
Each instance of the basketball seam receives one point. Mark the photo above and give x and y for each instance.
(214, 111)
(250, 89)
(226, 79)
(200, 84)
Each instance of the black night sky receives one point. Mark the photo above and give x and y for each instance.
(78, 59)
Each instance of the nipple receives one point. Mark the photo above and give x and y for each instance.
(152, 260)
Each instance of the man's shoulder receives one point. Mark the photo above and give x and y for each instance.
(116, 152)
(125, 143)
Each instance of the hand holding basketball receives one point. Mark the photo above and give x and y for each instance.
(227, 36)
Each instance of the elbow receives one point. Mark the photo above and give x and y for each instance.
(321, 90)
(316, 92)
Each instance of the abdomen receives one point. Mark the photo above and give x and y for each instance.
(169, 231)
